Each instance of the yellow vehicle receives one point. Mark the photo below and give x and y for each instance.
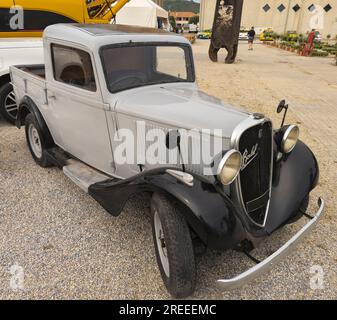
(292, 36)
(207, 34)
(38, 14)
(267, 35)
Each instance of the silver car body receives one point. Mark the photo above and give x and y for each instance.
(77, 118)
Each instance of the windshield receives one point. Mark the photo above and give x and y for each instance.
(134, 65)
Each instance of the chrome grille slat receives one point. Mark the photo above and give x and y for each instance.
(255, 140)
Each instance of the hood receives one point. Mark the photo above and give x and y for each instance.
(181, 106)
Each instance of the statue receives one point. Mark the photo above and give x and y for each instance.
(226, 29)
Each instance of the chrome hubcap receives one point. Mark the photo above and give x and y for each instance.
(161, 245)
(34, 141)
(10, 105)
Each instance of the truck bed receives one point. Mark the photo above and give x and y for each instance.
(35, 70)
(29, 80)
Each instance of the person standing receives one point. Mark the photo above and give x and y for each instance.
(309, 46)
(251, 37)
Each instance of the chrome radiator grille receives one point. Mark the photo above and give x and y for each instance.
(255, 144)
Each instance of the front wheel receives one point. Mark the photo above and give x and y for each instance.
(173, 246)
(8, 106)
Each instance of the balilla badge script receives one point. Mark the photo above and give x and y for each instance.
(247, 157)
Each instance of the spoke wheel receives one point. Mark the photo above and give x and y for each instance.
(10, 105)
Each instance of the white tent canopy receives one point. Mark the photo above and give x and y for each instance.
(143, 13)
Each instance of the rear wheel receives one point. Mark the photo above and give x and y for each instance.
(173, 246)
(8, 106)
(36, 142)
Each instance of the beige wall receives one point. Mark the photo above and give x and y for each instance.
(254, 15)
(207, 9)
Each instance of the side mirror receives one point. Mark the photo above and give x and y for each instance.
(282, 105)
(173, 139)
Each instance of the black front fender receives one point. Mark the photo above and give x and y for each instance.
(295, 175)
(210, 217)
(213, 220)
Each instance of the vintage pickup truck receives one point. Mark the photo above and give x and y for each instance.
(119, 110)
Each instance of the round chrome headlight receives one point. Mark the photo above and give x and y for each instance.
(290, 138)
(229, 167)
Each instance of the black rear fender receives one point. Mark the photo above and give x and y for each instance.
(27, 106)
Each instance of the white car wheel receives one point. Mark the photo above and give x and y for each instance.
(34, 141)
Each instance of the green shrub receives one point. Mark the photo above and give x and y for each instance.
(319, 53)
(330, 49)
(276, 36)
(302, 38)
(284, 37)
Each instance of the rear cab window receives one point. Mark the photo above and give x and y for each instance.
(73, 67)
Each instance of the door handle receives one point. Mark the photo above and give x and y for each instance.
(52, 97)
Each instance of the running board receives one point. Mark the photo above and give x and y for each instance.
(83, 175)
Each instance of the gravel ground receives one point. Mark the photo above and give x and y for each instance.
(70, 248)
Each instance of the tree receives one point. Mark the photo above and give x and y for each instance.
(194, 20)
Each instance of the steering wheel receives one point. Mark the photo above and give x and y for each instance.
(128, 81)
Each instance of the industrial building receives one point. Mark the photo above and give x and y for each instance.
(281, 15)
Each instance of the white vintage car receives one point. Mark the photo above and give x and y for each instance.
(14, 52)
(118, 109)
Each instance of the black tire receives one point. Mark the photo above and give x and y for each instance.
(180, 279)
(303, 208)
(6, 96)
(38, 139)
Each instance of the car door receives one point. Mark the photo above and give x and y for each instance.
(77, 115)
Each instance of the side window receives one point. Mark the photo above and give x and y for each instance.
(171, 61)
(73, 66)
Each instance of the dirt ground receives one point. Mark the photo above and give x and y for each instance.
(70, 248)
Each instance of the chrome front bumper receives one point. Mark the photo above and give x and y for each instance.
(276, 257)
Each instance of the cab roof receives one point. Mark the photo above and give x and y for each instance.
(109, 29)
(97, 35)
